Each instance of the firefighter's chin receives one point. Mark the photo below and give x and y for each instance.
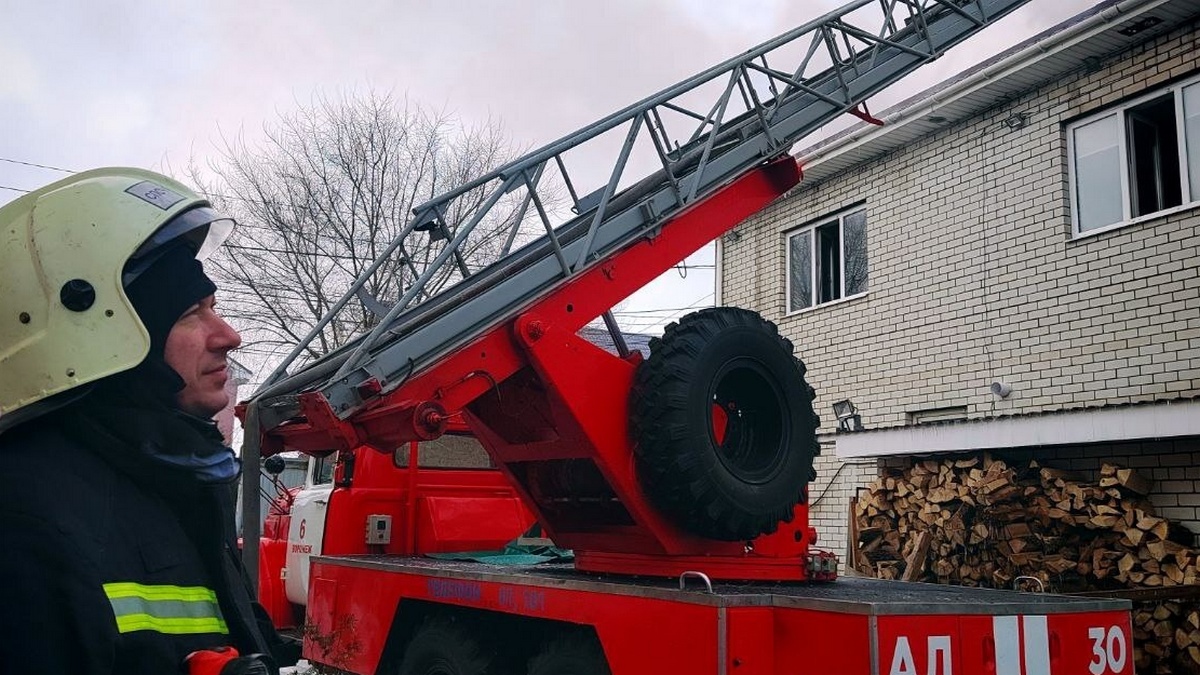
(206, 396)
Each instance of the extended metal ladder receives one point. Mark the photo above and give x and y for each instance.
(738, 114)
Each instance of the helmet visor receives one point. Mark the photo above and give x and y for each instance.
(202, 229)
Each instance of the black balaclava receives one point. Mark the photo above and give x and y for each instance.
(166, 289)
(160, 295)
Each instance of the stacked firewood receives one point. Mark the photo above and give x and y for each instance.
(982, 521)
(1166, 637)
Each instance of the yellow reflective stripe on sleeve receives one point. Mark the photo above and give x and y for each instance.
(161, 592)
(133, 622)
(176, 610)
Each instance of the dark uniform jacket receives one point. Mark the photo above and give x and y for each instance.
(104, 574)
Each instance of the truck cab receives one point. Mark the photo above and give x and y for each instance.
(439, 496)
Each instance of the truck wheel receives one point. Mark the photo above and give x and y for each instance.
(446, 645)
(571, 653)
(724, 425)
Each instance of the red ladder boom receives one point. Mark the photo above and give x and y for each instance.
(500, 346)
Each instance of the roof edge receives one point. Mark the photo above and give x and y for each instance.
(1162, 420)
(1066, 34)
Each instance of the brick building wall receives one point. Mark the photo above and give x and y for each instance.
(975, 277)
(837, 482)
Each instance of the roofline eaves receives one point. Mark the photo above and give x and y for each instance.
(933, 99)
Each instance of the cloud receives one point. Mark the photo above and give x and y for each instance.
(121, 115)
(136, 82)
(21, 81)
(125, 82)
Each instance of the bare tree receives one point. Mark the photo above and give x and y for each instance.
(317, 202)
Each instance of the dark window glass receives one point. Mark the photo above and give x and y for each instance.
(829, 263)
(1153, 156)
(854, 229)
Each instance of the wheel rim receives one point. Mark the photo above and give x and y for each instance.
(747, 422)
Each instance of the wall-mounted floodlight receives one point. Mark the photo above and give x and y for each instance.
(1016, 120)
(847, 416)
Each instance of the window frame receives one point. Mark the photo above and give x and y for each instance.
(315, 469)
(810, 230)
(1121, 113)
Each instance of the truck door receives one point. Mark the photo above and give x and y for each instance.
(307, 530)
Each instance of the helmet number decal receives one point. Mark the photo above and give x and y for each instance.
(155, 194)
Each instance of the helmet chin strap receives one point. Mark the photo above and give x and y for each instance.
(160, 379)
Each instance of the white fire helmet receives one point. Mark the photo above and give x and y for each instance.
(67, 251)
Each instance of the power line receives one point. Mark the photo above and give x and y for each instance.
(648, 313)
(51, 167)
(35, 164)
(343, 256)
(280, 251)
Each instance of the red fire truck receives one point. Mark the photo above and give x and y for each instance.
(678, 478)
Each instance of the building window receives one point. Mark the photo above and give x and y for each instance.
(827, 261)
(1136, 160)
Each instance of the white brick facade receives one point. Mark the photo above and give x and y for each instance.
(975, 277)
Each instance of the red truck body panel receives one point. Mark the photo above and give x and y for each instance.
(649, 627)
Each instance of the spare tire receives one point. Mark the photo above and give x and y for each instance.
(724, 428)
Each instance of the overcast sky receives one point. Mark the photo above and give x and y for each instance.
(117, 82)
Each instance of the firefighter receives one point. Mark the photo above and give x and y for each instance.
(117, 516)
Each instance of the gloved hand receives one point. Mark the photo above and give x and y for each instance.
(253, 664)
(227, 661)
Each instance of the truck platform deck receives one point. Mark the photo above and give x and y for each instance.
(851, 626)
(847, 595)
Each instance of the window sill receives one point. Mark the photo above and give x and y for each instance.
(831, 303)
(1183, 208)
